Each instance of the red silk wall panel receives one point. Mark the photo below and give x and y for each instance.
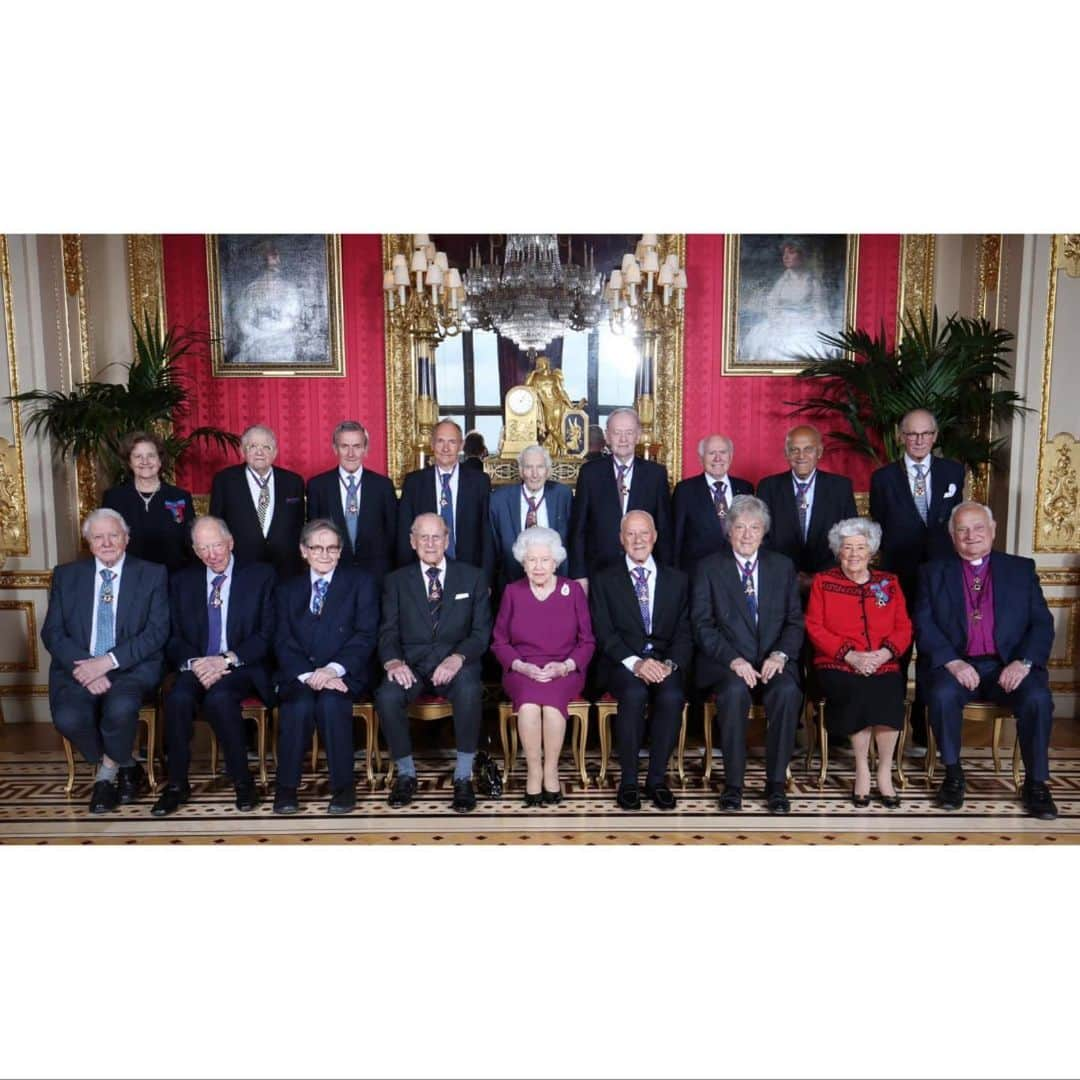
(751, 409)
(301, 411)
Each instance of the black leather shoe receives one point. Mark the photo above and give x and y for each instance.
(950, 795)
(343, 801)
(731, 799)
(628, 797)
(661, 796)
(104, 797)
(890, 802)
(285, 801)
(464, 796)
(131, 782)
(1037, 800)
(170, 800)
(861, 801)
(403, 792)
(551, 797)
(533, 800)
(247, 796)
(777, 800)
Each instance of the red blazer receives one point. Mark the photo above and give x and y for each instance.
(842, 615)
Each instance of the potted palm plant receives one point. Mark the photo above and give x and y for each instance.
(953, 370)
(90, 421)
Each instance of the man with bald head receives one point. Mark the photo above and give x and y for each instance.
(700, 503)
(805, 502)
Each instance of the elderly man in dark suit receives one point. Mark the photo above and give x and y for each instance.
(804, 504)
(106, 628)
(985, 634)
(222, 630)
(435, 628)
(537, 500)
(459, 496)
(642, 627)
(912, 499)
(327, 622)
(262, 505)
(700, 503)
(608, 488)
(361, 503)
(748, 626)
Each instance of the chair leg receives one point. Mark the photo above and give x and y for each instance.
(709, 712)
(810, 727)
(260, 736)
(898, 758)
(994, 746)
(371, 745)
(151, 749)
(823, 739)
(931, 755)
(1016, 763)
(505, 715)
(69, 754)
(582, 742)
(315, 751)
(213, 756)
(603, 717)
(682, 749)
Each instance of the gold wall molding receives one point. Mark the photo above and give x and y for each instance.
(25, 579)
(401, 419)
(27, 608)
(1050, 576)
(15, 538)
(25, 690)
(916, 276)
(988, 249)
(86, 487)
(146, 276)
(1069, 254)
(1072, 620)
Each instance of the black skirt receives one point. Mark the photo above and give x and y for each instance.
(854, 702)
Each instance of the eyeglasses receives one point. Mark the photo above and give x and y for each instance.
(918, 434)
(206, 549)
(319, 549)
(258, 448)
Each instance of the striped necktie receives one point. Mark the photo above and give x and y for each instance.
(919, 493)
(318, 595)
(434, 596)
(105, 637)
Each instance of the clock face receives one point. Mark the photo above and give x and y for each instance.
(520, 400)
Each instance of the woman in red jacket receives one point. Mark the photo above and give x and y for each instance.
(858, 624)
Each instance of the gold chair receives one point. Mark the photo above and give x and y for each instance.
(816, 732)
(606, 708)
(147, 716)
(361, 710)
(757, 713)
(985, 712)
(251, 708)
(426, 707)
(578, 711)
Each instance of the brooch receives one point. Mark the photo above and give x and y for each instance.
(176, 509)
(565, 590)
(880, 591)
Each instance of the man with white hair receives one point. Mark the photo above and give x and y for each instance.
(700, 503)
(985, 633)
(106, 628)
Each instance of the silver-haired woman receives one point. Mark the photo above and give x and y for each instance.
(858, 623)
(544, 641)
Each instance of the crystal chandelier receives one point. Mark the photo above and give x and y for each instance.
(532, 298)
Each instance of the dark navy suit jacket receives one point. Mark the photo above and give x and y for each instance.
(344, 632)
(506, 523)
(249, 628)
(698, 531)
(834, 501)
(1023, 625)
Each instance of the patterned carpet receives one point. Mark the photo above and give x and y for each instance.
(34, 810)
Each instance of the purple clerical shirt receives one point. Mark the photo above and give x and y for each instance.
(979, 608)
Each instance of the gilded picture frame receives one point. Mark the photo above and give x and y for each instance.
(780, 291)
(275, 305)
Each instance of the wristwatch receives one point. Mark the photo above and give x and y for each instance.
(230, 661)
(1026, 662)
(783, 655)
(670, 665)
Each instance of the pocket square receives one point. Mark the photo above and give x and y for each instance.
(951, 492)
(461, 596)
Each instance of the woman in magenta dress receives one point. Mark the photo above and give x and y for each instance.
(543, 639)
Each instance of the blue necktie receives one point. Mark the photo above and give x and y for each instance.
(352, 510)
(920, 493)
(318, 595)
(446, 511)
(105, 638)
(641, 589)
(748, 588)
(213, 614)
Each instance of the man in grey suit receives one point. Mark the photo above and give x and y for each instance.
(436, 624)
(748, 625)
(535, 501)
(106, 629)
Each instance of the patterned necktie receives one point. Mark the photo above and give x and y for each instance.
(920, 493)
(622, 470)
(719, 499)
(641, 590)
(318, 595)
(530, 517)
(434, 596)
(800, 503)
(263, 505)
(352, 509)
(213, 612)
(446, 511)
(106, 621)
(748, 587)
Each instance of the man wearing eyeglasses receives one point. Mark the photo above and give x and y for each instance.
(911, 499)
(327, 621)
(219, 645)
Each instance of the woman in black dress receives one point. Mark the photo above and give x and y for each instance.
(158, 514)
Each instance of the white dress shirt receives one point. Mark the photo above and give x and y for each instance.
(541, 509)
(650, 585)
(253, 487)
(117, 570)
(909, 464)
(334, 666)
(343, 487)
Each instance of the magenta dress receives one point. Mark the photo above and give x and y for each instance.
(539, 631)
